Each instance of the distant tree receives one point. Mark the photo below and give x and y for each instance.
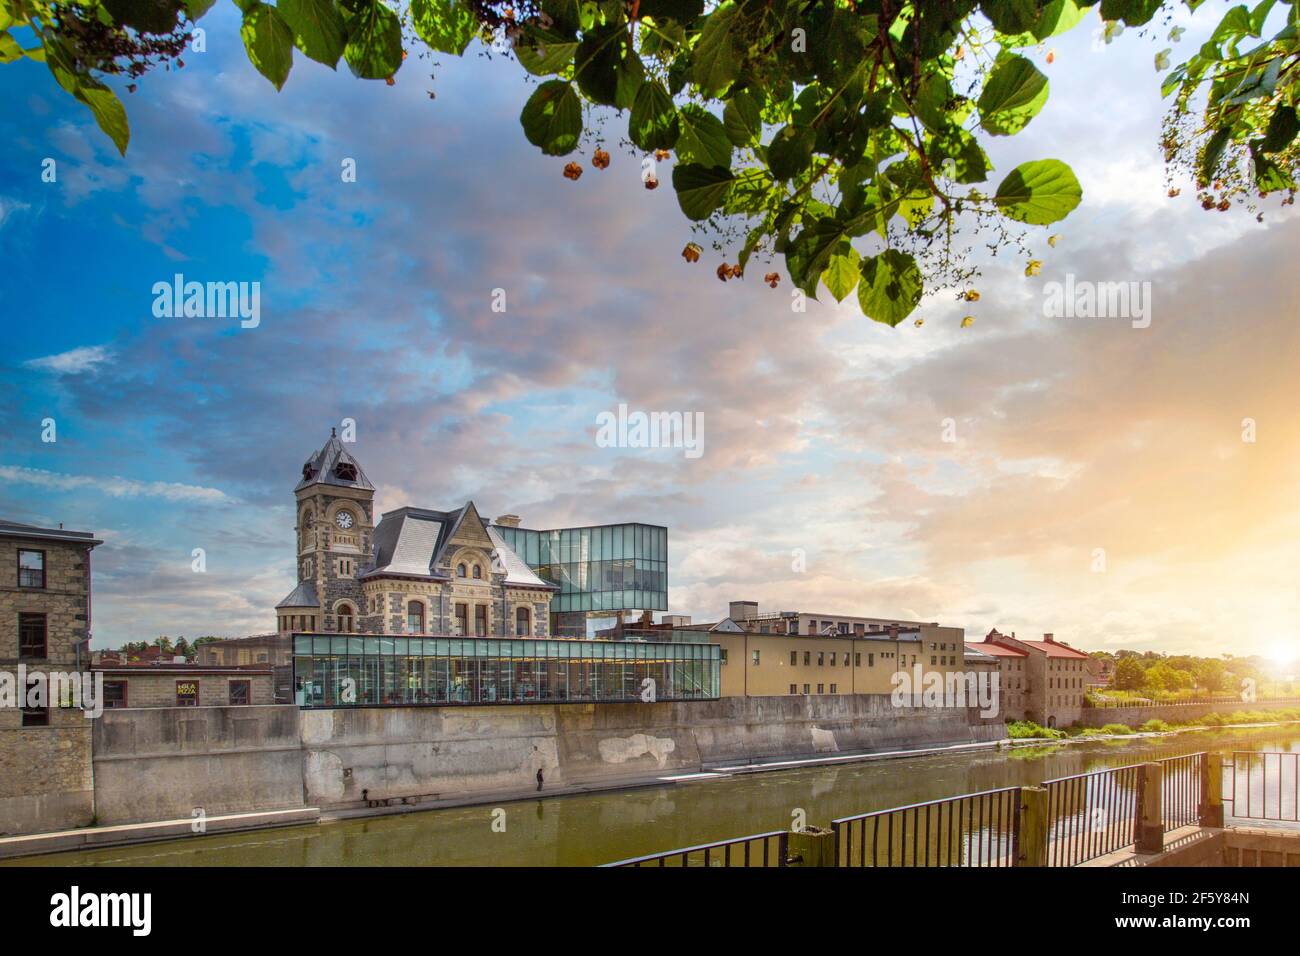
(1129, 674)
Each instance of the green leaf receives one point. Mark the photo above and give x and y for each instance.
(1134, 13)
(269, 42)
(374, 47)
(653, 123)
(103, 103)
(317, 28)
(1013, 95)
(703, 138)
(596, 64)
(545, 53)
(891, 286)
(791, 151)
(843, 272)
(1282, 129)
(715, 62)
(1039, 192)
(145, 16)
(701, 189)
(195, 9)
(552, 118)
(444, 25)
(742, 120)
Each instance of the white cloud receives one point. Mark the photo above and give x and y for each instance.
(114, 486)
(85, 358)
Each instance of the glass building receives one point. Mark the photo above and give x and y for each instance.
(600, 569)
(358, 671)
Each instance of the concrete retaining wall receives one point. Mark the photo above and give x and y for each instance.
(164, 763)
(1135, 717)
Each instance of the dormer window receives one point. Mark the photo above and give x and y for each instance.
(345, 471)
(308, 472)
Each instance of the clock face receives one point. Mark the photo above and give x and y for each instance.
(343, 519)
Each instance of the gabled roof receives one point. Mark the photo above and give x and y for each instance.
(408, 541)
(997, 650)
(322, 468)
(304, 595)
(518, 573)
(1055, 649)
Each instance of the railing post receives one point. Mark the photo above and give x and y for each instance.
(1149, 827)
(1212, 790)
(1032, 848)
(811, 846)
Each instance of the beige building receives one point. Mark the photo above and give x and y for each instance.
(186, 685)
(45, 763)
(796, 652)
(267, 649)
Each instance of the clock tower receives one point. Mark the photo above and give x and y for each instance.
(334, 502)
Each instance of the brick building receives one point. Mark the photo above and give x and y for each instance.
(1013, 675)
(45, 762)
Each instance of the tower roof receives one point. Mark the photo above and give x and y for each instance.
(332, 465)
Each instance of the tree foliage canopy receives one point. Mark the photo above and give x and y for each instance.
(846, 138)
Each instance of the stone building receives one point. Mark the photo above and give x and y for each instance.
(414, 571)
(45, 752)
(1013, 676)
(1056, 677)
(185, 685)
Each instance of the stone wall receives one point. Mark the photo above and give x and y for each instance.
(164, 763)
(1135, 717)
(153, 764)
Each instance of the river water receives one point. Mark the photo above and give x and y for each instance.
(598, 828)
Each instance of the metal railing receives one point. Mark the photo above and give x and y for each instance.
(1181, 800)
(1090, 814)
(761, 849)
(977, 829)
(1263, 785)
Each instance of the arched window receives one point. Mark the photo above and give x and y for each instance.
(414, 617)
(460, 570)
(345, 619)
(521, 622)
(478, 571)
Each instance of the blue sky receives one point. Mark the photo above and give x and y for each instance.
(822, 429)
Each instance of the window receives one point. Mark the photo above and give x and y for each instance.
(345, 619)
(821, 688)
(31, 569)
(724, 654)
(794, 659)
(480, 620)
(478, 572)
(522, 628)
(834, 689)
(414, 617)
(36, 716)
(933, 660)
(812, 629)
(807, 658)
(187, 693)
(460, 570)
(114, 694)
(462, 619)
(755, 658)
(241, 692)
(31, 636)
(794, 688)
(832, 658)
(821, 658)
(805, 688)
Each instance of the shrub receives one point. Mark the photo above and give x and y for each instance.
(1117, 729)
(1154, 726)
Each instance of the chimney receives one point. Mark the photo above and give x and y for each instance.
(1049, 639)
(742, 610)
(508, 521)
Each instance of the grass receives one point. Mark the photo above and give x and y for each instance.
(1028, 730)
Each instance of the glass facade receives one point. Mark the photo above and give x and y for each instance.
(360, 671)
(609, 567)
